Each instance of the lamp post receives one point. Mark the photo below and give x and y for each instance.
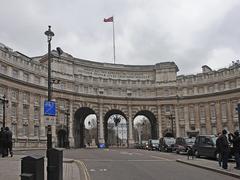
(67, 114)
(49, 35)
(117, 120)
(4, 102)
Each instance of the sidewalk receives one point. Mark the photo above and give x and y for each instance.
(10, 168)
(212, 166)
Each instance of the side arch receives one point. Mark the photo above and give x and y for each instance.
(79, 127)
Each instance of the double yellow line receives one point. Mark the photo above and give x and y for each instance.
(84, 174)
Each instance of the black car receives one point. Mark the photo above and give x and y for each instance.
(167, 144)
(184, 143)
(153, 144)
(205, 145)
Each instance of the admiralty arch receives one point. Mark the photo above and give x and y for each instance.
(205, 102)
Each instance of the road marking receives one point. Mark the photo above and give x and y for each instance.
(84, 169)
(102, 170)
(161, 158)
(92, 170)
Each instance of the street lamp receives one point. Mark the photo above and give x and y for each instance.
(116, 120)
(4, 102)
(67, 114)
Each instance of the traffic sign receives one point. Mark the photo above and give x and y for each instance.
(49, 108)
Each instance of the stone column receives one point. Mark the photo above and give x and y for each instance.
(230, 116)
(19, 114)
(8, 109)
(219, 117)
(197, 118)
(159, 121)
(101, 130)
(177, 121)
(71, 122)
(130, 127)
(208, 120)
(31, 116)
(186, 118)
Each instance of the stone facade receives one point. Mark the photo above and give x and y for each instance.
(204, 102)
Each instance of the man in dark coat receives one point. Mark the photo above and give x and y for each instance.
(4, 142)
(223, 147)
(9, 141)
(1, 141)
(235, 140)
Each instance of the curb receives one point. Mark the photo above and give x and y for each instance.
(84, 174)
(210, 169)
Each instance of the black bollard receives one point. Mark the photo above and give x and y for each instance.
(32, 168)
(55, 164)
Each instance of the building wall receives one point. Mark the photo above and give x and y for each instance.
(204, 102)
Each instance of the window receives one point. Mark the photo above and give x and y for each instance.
(26, 97)
(14, 94)
(36, 100)
(36, 131)
(14, 110)
(25, 77)
(25, 130)
(37, 79)
(15, 73)
(224, 112)
(214, 130)
(202, 113)
(25, 111)
(36, 113)
(213, 113)
(3, 69)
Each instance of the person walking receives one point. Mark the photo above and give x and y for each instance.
(9, 140)
(218, 150)
(1, 141)
(4, 142)
(224, 148)
(235, 140)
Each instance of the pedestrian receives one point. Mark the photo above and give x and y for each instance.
(1, 141)
(235, 140)
(9, 141)
(218, 150)
(4, 142)
(224, 148)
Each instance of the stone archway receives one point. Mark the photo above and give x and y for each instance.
(79, 127)
(153, 121)
(105, 123)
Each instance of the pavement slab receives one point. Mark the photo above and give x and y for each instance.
(11, 168)
(212, 166)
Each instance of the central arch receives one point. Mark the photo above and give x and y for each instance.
(153, 121)
(79, 126)
(106, 118)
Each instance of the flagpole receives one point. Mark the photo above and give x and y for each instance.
(114, 55)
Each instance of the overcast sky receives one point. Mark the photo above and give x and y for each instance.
(191, 33)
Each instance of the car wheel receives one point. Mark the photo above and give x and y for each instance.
(197, 153)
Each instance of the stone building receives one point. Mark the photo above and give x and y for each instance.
(203, 103)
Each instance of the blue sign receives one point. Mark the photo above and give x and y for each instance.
(102, 145)
(49, 108)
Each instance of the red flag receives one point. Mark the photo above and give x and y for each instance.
(110, 19)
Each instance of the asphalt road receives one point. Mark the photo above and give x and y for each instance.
(132, 164)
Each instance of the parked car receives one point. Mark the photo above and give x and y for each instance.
(205, 145)
(167, 144)
(153, 144)
(183, 144)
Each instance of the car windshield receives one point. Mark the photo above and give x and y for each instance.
(169, 141)
(155, 141)
(190, 140)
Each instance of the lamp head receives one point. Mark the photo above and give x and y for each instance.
(49, 33)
